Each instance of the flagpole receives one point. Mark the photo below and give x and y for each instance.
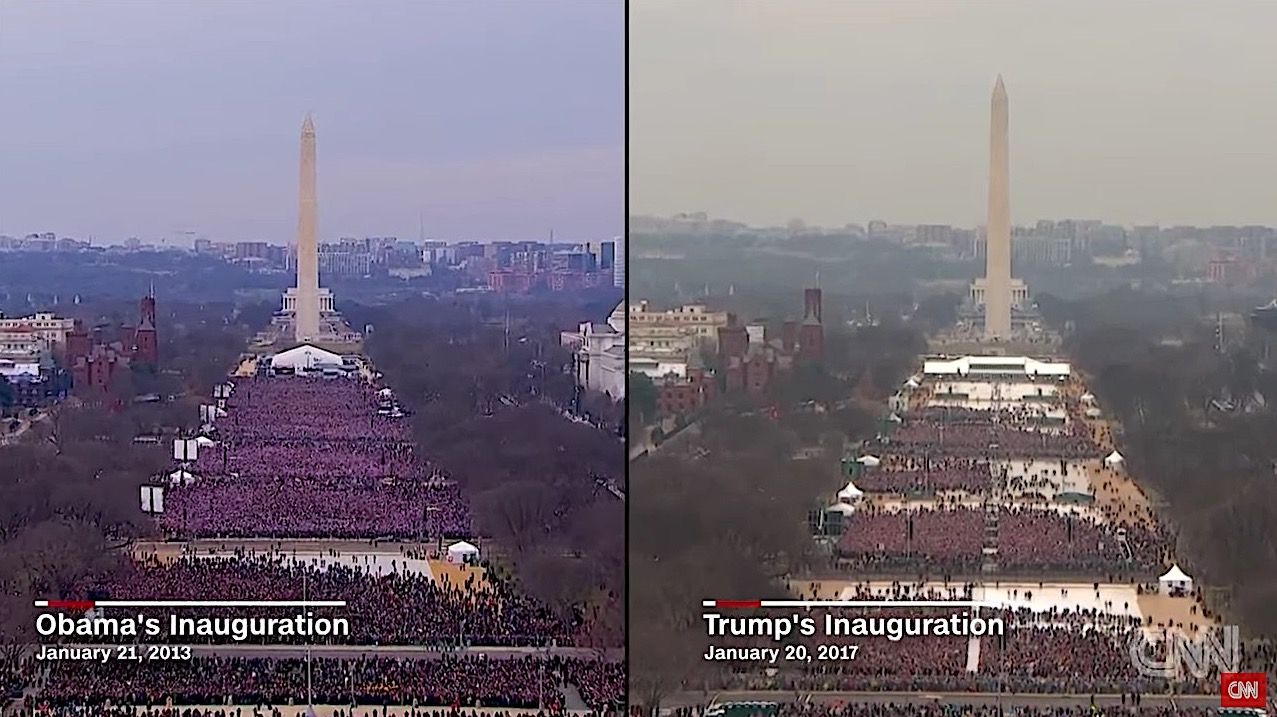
(310, 697)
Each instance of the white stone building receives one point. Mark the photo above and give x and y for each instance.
(599, 358)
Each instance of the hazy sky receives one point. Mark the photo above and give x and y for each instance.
(496, 119)
(841, 111)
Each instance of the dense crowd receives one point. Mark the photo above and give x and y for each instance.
(951, 538)
(95, 710)
(1042, 659)
(1061, 658)
(516, 682)
(601, 684)
(1053, 651)
(990, 440)
(940, 709)
(946, 539)
(306, 457)
(924, 474)
(1046, 539)
(395, 608)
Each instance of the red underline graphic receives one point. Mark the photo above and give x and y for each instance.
(737, 604)
(90, 604)
(67, 604)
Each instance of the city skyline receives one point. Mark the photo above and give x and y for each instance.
(842, 112)
(470, 121)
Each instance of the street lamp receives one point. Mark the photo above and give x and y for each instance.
(310, 697)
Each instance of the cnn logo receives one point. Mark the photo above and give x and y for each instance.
(1243, 689)
(1178, 654)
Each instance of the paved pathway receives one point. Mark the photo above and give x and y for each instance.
(684, 699)
(408, 651)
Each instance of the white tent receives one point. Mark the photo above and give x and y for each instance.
(912, 383)
(1088, 398)
(894, 418)
(205, 441)
(305, 358)
(850, 493)
(462, 552)
(869, 461)
(1092, 412)
(1114, 460)
(1175, 579)
(181, 477)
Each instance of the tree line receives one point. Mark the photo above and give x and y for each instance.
(474, 374)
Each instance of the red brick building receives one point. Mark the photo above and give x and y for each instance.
(94, 360)
(145, 343)
(510, 282)
(733, 340)
(760, 368)
(811, 333)
(522, 281)
(751, 367)
(676, 394)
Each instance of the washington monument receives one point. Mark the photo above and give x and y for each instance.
(997, 272)
(306, 311)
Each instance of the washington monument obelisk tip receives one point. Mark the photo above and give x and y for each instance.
(997, 287)
(306, 311)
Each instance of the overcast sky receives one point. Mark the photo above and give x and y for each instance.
(841, 111)
(496, 119)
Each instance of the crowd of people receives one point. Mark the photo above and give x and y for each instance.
(398, 607)
(1047, 539)
(601, 684)
(385, 711)
(459, 682)
(1052, 651)
(942, 709)
(990, 440)
(246, 507)
(954, 537)
(912, 474)
(307, 457)
(950, 539)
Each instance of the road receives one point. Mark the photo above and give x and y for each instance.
(25, 424)
(361, 711)
(408, 651)
(686, 699)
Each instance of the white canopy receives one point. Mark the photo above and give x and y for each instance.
(912, 383)
(850, 493)
(462, 551)
(894, 418)
(305, 357)
(868, 461)
(1114, 459)
(1092, 412)
(205, 441)
(1176, 578)
(181, 477)
(1088, 398)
